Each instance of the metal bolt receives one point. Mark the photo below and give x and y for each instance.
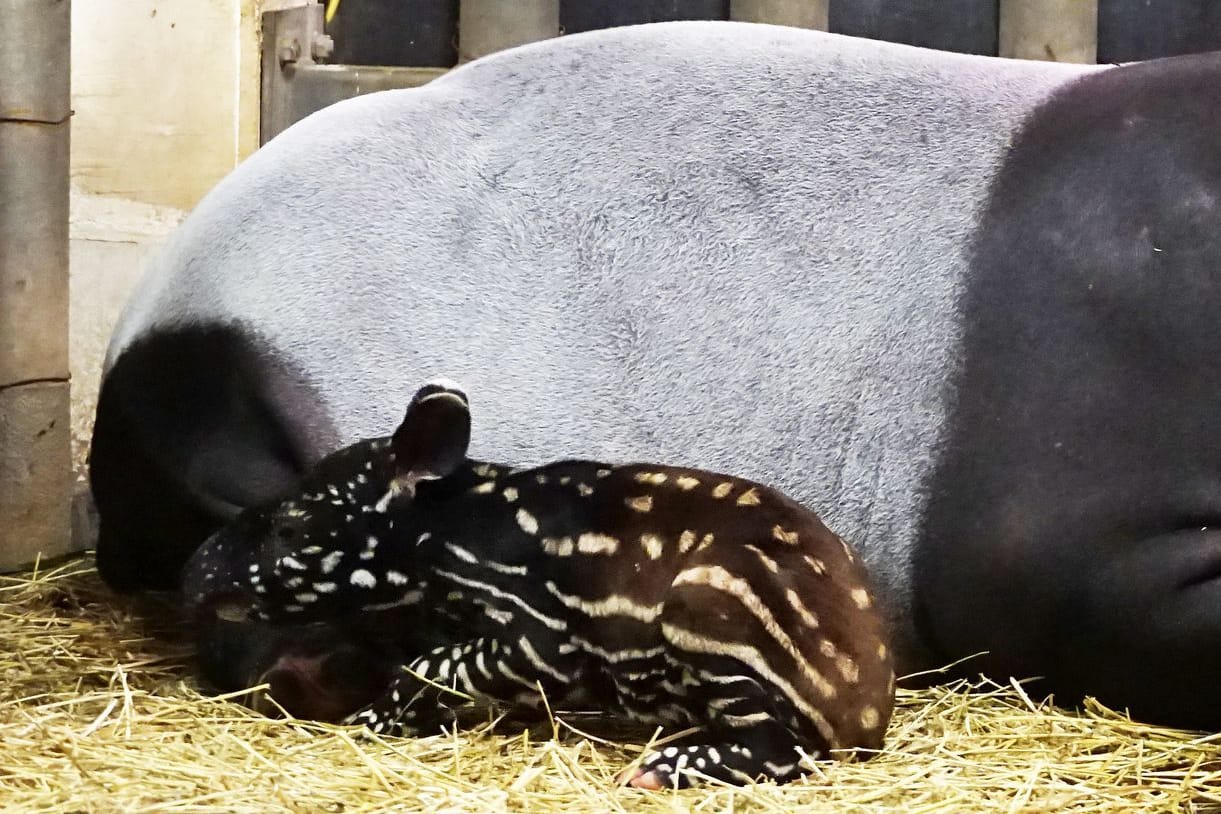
(322, 47)
(289, 52)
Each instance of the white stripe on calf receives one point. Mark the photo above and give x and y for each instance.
(613, 605)
(511, 570)
(481, 665)
(714, 576)
(744, 720)
(696, 643)
(618, 656)
(508, 673)
(464, 679)
(554, 624)
(537, 661)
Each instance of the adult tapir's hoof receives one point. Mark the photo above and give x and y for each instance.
(969, 307)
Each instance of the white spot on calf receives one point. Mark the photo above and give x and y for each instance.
(363, 579)
(686, 482)
(510, 494)
(396, 578)
(383, 503)
(653, 545)
(816, 565)
(640, 504)
(591, 543)
(461, 553)
(861, 597)
(558, 546)
(847, 668)
(527, 522)
(749, 498)
(781, 535)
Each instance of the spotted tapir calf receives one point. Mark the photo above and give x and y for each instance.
(673, 596)
(967, 307)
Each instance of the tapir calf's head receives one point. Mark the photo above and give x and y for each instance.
(355, 524)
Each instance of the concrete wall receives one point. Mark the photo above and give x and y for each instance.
(165, 94)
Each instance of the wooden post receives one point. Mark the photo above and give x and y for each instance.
(968, 26)
(35, 440)
(798, 13)
(487, 26)
(1054, 30)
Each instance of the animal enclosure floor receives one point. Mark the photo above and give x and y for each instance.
(97, 713)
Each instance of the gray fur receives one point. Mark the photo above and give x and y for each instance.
(713, 245)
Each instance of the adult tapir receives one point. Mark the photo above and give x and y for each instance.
(968, 309)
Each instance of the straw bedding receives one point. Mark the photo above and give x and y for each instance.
(98, 713)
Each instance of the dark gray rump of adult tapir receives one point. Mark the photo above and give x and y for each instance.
(965, 308)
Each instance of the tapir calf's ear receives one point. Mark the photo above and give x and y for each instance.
(431, 442)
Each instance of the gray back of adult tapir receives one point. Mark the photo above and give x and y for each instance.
(725, 246)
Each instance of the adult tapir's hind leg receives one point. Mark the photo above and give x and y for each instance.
(1071, 525)
(1147, 632)
(183, 440)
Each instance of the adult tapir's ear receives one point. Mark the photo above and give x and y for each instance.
(431, 442)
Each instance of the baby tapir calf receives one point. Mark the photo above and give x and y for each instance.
(672, 596)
